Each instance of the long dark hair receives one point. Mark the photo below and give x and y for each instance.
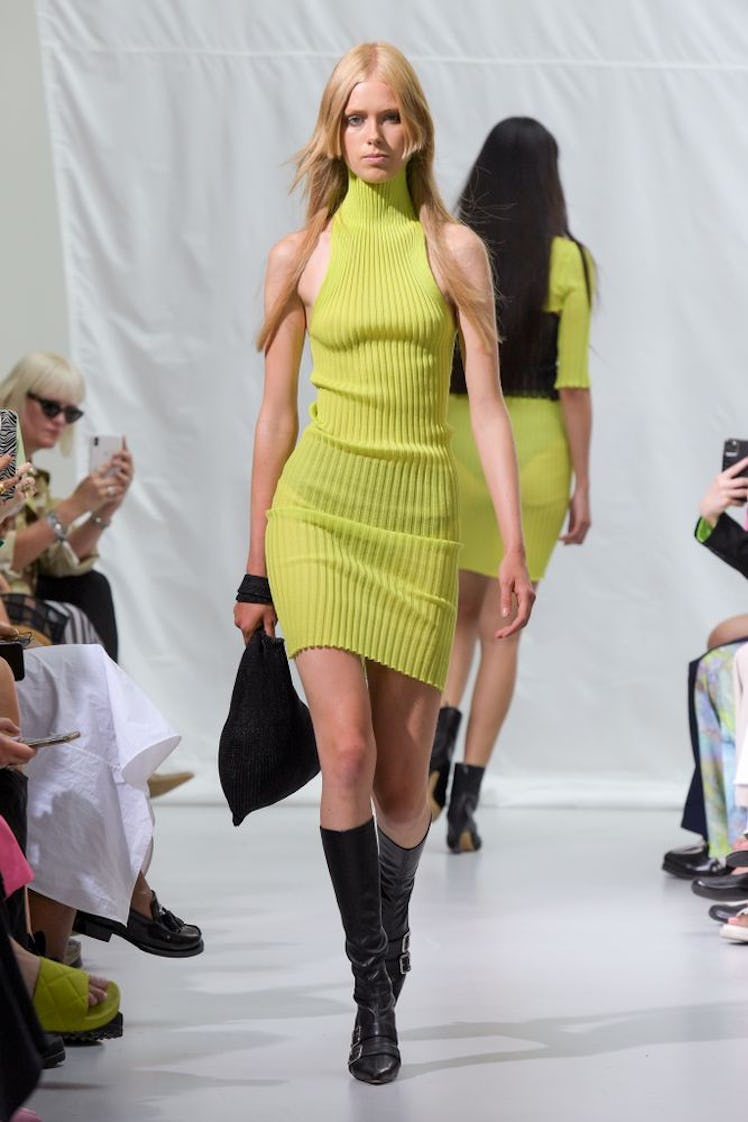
(514, 199)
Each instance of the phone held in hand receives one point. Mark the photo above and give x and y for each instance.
(734, 451)
(8, 444)
(54, 738)
(101, 449)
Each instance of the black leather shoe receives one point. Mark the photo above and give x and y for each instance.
(738, 859)
(374, 1056)
(725, 889)
(723, 912)
(692, 861)
(53, 1053)
(163, 934)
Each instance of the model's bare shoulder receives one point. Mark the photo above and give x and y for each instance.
(465, 246)
(285, 253)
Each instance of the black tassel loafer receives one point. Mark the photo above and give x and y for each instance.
(163, 933)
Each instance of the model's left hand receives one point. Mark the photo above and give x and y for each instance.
(517, 594)
(579, 517)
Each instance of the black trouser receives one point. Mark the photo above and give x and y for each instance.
(92, 593)
(694, 811)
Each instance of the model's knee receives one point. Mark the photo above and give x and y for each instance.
(402, 810)
(348, 762)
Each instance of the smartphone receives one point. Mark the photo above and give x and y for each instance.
(733, 451)
(101, 449)
(8, 444)
(55, 738)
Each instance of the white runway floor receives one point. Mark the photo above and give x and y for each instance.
(557, 974)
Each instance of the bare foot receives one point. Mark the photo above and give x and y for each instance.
(30, 964)
(740, 920)
(96, 990)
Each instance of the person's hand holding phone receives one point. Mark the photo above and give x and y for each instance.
(13, 753)
(120, 471)
(114, 473)
(729, 488)
(15, 490)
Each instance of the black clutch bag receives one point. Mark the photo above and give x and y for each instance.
(267, 748)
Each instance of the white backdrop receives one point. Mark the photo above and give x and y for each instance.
(171, 122)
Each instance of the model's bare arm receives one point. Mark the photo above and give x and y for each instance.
(277, 424)
(576, 410)
(492, 431)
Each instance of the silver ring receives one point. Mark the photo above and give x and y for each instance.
(110, 491)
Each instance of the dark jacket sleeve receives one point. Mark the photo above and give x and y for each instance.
(729, 541)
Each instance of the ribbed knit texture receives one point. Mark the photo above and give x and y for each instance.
(362, 539)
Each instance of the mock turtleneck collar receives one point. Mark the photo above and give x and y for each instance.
(371, 202)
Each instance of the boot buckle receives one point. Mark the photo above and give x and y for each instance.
(356, 1053)
(403, 959)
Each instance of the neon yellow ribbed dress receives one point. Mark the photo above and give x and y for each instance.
(363, 534)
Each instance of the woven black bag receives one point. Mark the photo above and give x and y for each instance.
(267, 748)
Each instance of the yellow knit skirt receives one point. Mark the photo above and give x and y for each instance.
(544, 477)
(343, 570)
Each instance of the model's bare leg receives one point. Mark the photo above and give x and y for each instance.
(494, 683)
(404, 715)
(336, 691)
(472, 591)
(492, 696)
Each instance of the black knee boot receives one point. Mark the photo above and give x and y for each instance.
(462, 832)
(445, 738)
(353, 860)
(397, 874)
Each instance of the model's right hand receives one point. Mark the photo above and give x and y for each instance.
(726, 489)
(12, 752)
(251, 617)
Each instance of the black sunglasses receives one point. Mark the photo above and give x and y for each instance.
(51, 408)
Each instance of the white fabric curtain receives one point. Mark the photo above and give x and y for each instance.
(171, 124)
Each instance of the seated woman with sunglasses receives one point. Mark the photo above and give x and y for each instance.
(51, 546)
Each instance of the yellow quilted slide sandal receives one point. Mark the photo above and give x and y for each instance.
(61, 1002)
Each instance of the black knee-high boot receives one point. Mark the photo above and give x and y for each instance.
(445, 737)
(353, 860)
(397, 874)
(462, 831)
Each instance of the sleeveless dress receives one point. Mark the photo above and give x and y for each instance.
(539, 433)
(362, 539)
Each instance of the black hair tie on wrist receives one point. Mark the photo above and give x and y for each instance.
(254, 590)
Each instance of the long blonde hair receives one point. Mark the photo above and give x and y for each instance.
(322, 172)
